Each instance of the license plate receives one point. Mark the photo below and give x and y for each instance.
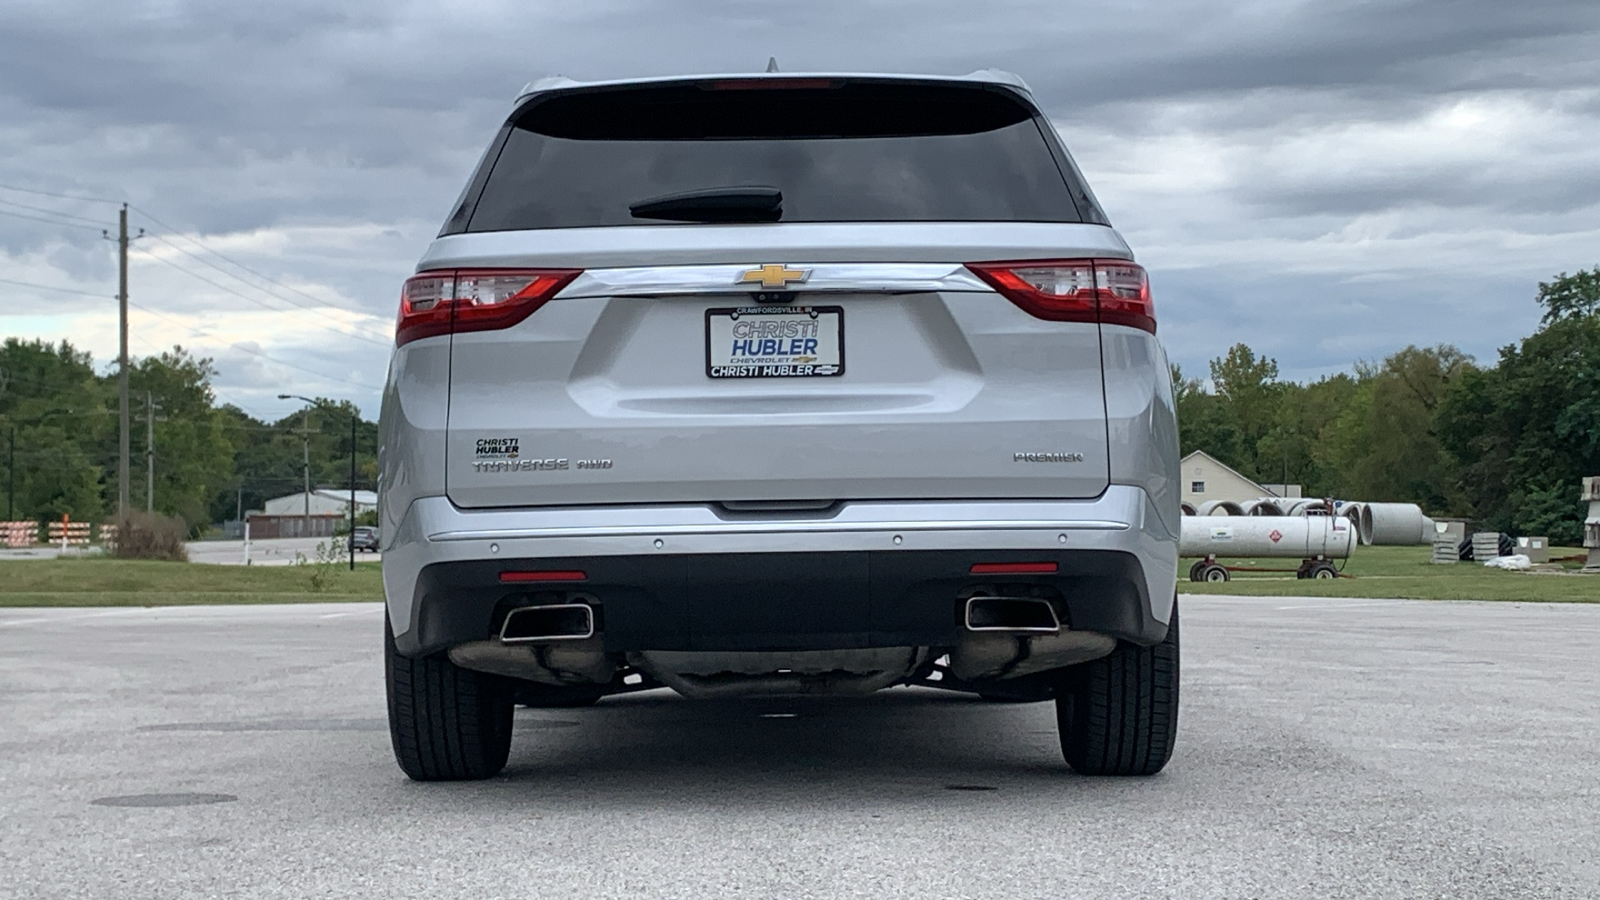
(775, 342)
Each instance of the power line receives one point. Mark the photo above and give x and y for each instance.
(350, 329)
(95, 222)
(244, 349)
(46, 287)
(231, 261)
(215, 393)
(12, 187)
(247, 298)
(7, 212)
(315, 310)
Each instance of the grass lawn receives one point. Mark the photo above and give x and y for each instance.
(95, 581)
(1378, 572)
(1405, 572)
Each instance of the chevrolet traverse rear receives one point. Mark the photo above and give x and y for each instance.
(784, 384)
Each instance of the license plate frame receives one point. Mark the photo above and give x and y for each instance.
(720, 325)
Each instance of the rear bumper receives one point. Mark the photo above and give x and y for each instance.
(877, 574)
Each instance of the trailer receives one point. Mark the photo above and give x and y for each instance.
(1314, 540)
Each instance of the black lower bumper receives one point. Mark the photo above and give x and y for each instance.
(780, 601)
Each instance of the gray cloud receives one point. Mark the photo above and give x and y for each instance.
(1327, 180)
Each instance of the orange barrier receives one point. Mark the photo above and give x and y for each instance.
(19, 534)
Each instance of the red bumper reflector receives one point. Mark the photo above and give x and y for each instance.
(510, 577)
(1022, 568)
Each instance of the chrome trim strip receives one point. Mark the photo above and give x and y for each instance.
(658, 281)
(732, 528)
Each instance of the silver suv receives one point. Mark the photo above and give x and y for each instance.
(785, 384)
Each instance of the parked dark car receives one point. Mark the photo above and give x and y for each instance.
(364, 539)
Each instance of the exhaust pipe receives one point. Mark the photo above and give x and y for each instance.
(555, 622)
(1025, 615)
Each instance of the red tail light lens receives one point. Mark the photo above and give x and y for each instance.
(542, 576)
(1022, 568)
(457, 300)
(1109, 291)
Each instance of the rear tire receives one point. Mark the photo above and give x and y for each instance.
(446, 723)
(1214, 573)
(1118, 715)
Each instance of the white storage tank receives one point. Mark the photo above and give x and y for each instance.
(1276, 537)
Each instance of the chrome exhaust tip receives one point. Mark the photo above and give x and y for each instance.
(1018, 615)
(554, 622)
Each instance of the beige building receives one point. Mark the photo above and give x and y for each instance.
(1207, 478)
(324, 502)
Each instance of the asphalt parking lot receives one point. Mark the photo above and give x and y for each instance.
(1327, 749)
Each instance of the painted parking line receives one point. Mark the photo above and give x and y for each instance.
(73, 615)
(1347, 605)
(357, 612)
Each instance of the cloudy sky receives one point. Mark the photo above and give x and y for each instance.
(1326, 181)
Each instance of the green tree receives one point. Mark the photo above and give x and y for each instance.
(1307, 418)
(1387, 445)
(1251, 394)
(193, 452)
(52, 406)
(1525, 432)
(1203, 420)
(1570, 296)
(268, 456)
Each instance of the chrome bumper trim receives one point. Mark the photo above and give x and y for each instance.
(733, 528)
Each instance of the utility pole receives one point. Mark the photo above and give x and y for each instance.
(150, 451)
(305, 447)
(352, 541)
(305, 459)
(122, 361)
(11, 479)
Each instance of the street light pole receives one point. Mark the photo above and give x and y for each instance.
(305, 462)
(352, 541)
(122, 362)
(305, 452)
(149, 452)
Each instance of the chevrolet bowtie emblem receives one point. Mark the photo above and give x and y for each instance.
(773, 275)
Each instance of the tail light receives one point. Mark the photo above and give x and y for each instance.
(1014, 568)
(456, 300)
(1108, 291)
(543, 575)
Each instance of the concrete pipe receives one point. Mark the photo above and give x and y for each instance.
(1264, 506)
(1308, 506)
(1187, 508)
(1363, 525)
(1393, 524)
(1220, 508)
(1277, 537)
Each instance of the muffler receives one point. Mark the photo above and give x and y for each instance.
(1018, 615)
(553, 622)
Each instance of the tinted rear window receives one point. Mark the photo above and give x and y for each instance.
(862, 152)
